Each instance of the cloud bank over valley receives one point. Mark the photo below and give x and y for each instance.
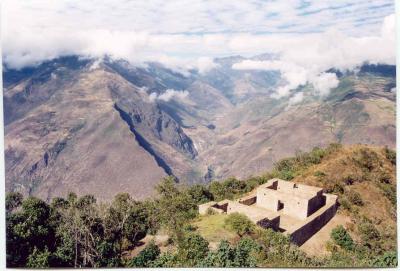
(310, 37)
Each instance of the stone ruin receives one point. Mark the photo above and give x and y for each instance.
(294, 209)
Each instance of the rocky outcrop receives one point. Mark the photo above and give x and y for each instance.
(150, 122)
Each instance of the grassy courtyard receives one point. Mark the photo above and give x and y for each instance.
(212, 228)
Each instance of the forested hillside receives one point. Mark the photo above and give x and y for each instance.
(83, 232)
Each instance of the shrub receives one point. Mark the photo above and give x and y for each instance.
(146, 256)
(224, 256)
(319, 174)
(316, 155)
(336, 188)
(165, 260)
(345, 204)
(284, 164)
(210, 211)
(354, 197)
(13, 200)
(390, 155)
(239, 223)
(368, 232)
(190, 227)
(39, 259)
(254, 182)
(366, 158)
(333, 147)
(192, 249)
(341, 237)
(228, 188)
(287, 175)
(350, 179)
(199, 194)
(388, 259)
(246, 253)
(389, 191)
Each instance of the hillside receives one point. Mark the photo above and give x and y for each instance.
(364, 177)
(167, 231)
(103, 127)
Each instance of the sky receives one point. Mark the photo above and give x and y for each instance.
(309, 36)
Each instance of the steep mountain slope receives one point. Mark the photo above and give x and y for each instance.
(86, 126)
(260, 131)
(91, 132)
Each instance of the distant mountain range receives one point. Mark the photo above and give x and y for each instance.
(103, 127)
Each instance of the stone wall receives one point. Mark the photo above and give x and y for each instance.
(249, 200)
(204, 207)
(315, 203)
(303, 233)
(270, 223)
(267, 199)
(294, 206)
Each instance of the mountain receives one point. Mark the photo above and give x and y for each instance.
(102, 127)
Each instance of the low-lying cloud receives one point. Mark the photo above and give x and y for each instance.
(293, 76)
(306, 59)
(297, 98)
(186, 36)
(24, 45)
(168, 95)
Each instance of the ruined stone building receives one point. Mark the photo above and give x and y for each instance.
(294, 209)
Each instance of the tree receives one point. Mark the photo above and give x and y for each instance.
(246, 253)
(199, 194)
(192, 249)
(239, 223)
(146, 256)
(125, 219)
(13, 200)
(27, 229)
(227, 189)
(175, 208)
(224, 256)
(81, 223)
(166, 259)
(39, 259)
(342, 238)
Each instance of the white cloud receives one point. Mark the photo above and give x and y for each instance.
(324, 82)
(95, 64)
(294, 76)
(168, 95)
(186, 34)
(205, 64)
(297, 98)
(306, 58)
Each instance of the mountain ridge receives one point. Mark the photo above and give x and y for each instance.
(197, 127)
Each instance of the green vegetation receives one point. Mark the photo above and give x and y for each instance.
(342, 238)
(289, 168)
(80, 232)
(240, 224)
(146, 256)
(212, 227)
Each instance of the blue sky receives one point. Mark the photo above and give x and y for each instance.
(173, 31)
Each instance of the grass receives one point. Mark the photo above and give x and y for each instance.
(212, 228)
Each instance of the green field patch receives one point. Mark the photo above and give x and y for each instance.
(212, 228)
